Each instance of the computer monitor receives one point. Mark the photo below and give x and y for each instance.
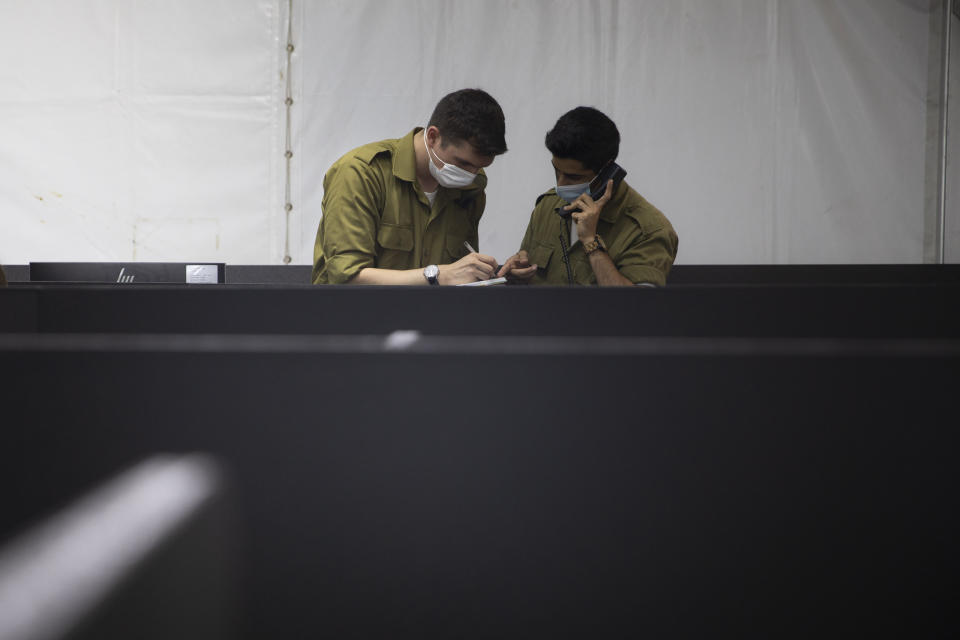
(129, 272)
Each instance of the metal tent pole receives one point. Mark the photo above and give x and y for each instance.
(944, 125)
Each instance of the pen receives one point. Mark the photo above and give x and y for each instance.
(466, 243)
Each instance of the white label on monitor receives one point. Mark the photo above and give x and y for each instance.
(201, 274)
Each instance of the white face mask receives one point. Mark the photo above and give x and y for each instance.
(449, 175)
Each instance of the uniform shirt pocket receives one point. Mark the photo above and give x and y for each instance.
(540, 255)
(396, 244)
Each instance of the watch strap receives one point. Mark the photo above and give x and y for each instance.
(596, 244)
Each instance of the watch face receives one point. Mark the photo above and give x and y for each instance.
(432, 271)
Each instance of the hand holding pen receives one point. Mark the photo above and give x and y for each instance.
(473, 267)
(487, 259)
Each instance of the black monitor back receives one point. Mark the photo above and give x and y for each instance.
(129, 272)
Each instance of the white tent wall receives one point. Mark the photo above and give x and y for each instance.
(769, 131)
(851, 125)
(139, 130)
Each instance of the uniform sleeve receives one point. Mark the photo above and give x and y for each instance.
(347, 236)
(479, 204)
(528, 236)
(650, 257)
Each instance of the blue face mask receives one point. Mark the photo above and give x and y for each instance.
(571, 192)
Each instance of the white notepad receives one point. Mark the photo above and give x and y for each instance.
(484, 283)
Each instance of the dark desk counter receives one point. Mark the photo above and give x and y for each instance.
(680, 275)
(842, 311)
(802, 274)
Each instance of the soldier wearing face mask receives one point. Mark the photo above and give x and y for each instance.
(399, 212)
(617, 238)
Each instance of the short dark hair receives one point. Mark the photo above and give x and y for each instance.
(471, 115)
(586, 135)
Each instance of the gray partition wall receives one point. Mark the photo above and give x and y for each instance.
(478, 487)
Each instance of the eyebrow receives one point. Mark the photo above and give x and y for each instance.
(569, 175)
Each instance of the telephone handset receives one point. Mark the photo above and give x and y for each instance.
(598, 185)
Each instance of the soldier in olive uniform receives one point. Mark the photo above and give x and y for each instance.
(618, 239)
(399, 212)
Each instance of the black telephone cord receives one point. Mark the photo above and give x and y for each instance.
(566, 258)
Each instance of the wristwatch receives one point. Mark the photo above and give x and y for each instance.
(432, 274)
(594, 245)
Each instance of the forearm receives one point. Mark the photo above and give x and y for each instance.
(606, 272)
(393, 277)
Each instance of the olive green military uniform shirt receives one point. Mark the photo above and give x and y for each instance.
(376, 215)
(640, 240)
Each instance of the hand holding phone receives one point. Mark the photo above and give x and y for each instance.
(586, 213)
(598, 187)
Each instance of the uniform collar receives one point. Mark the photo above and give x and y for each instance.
(405, 159)
(405, 164)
